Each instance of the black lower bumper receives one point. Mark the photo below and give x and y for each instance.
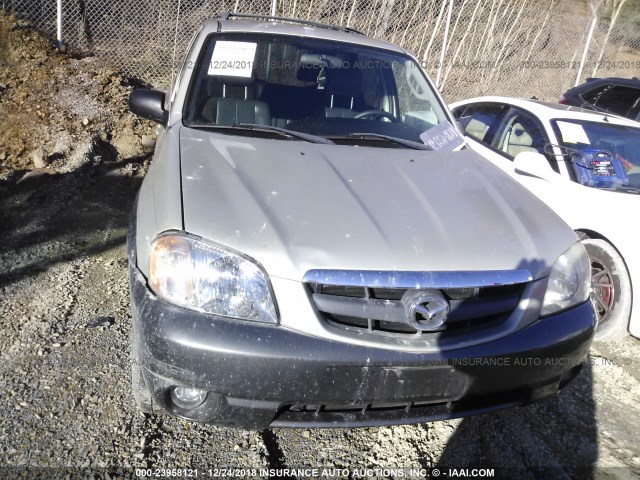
(262, 375)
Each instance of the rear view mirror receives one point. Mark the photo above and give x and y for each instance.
(149, 104)
(321, 60)
(535, 164)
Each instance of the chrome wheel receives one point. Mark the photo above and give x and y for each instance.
(603, 290)
(610, 289)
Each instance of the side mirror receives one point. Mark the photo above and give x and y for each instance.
(149, 104)
(535, 164)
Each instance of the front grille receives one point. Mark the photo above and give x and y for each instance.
(382, 311)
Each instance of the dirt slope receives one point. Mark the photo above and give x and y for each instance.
(59, 112)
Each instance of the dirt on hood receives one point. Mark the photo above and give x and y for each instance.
(61, 112)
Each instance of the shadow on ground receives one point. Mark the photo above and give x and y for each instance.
(48, 218)
(555, 438)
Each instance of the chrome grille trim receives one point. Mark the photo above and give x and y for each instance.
(407, 279)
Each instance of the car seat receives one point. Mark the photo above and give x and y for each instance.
(518, 141)
(232, 100)
(475, 128)
(344, 89)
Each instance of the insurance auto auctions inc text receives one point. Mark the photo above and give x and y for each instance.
(351, 473)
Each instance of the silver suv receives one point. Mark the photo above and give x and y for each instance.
(313, 245)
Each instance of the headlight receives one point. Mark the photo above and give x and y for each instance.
(195, 274)
(569, 281)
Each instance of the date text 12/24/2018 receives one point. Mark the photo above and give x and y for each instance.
(574, 64)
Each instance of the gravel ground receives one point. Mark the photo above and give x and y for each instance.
(66, 410)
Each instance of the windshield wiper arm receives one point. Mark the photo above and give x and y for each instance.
(266, 128)
(285, 132)
(399, 141)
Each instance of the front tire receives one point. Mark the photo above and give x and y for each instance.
(611, 290)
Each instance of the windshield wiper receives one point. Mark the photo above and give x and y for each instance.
(285, 132)
(389, 138)
(267, 128)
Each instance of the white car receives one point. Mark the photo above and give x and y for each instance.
(586, 166)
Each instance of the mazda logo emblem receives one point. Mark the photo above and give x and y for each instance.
(427, 311)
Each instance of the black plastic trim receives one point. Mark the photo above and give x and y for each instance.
(149, 104)
(228, 15)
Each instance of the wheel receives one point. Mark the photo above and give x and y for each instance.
(377, 113)
(141, 393)
(611, 290)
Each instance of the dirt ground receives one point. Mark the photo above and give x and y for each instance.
(71, 161)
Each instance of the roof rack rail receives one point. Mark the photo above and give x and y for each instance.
(227, 15)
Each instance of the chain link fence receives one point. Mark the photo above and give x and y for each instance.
(472, 47)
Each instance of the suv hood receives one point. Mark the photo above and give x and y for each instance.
(296, 206)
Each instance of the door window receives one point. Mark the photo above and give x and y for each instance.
(479, 120)
(518, 132)
(618, 100)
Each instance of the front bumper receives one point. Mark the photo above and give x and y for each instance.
(260, 375)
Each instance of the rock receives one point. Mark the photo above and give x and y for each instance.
(3, 156)
(127, 144)
(83, 155)
(148, 141)
(63, 144)
(36, 177)
(100, 322)
(85, 121)
(39, 157)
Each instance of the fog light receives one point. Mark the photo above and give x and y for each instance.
(187, 398)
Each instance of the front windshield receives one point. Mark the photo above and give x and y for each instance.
(603, 155)
(318, 87)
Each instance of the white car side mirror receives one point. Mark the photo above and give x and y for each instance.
(535, 164)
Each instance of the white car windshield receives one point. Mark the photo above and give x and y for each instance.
(323, 88)
(603, 155)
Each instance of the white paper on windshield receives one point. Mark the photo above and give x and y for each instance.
(443, 138)
(573, 133)
(234, 59)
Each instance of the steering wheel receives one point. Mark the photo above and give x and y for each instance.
(378, 113)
